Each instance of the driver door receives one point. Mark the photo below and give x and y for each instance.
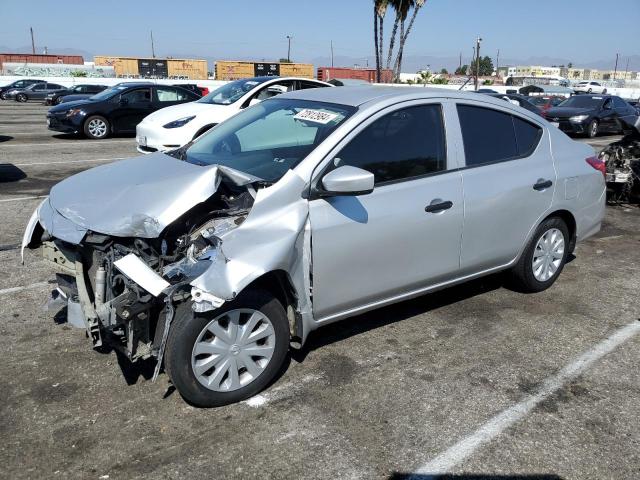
(134, 105)
(402, 237)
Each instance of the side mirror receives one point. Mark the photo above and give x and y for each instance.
(347, 180)
(254, 101)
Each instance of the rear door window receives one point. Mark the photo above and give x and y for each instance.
(491, 136)
(167, 94)
(140, 95)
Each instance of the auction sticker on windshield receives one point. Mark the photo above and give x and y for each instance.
(316, 116)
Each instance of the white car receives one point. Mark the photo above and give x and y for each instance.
(175, 126)
(589, 87)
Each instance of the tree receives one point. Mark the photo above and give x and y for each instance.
(444, 71)
(486, 66)
(462, 70)
(406, 4)
(379, 12)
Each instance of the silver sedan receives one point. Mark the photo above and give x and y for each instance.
(305, 209)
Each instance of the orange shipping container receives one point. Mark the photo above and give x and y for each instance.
(192, 69)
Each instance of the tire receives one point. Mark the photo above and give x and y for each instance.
(3, 95)
(96, 127)
(592, 129)
(590, 90)
(191, 329)
(523, 276)
(21, 97)
(58, 101)
(604, 92)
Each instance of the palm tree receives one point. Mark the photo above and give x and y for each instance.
(379, 11)
(399, 6)
(417, 5)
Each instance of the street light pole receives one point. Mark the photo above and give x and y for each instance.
(478, 40)
(615, 70)
(289, 49)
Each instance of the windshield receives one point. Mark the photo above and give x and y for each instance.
(580, 101)
(109, 92)
(232, 91)
(270, 138)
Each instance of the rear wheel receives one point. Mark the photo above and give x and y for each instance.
(3, 95)
(592, 129)
(604, 92)
(58, 100)
(96, 127)
(544, 257)
(590, 90)
(21, 97)
(229, 354)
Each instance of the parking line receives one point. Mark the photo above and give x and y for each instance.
(62, 142)
(5, 291)
(466, 447)
(69, 161)
(21, 199)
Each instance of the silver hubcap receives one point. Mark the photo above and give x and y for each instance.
(97, 127)
(548, 254)
(233, 349)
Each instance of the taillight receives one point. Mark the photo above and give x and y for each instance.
(598, 164)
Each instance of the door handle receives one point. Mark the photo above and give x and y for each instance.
(542, 184)
(438, 205)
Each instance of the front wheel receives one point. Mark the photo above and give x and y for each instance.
(544, 257)
(229, 354)
(590, 90)
(592, 129)
(21, 97)
(58, 100)
(3, 96)
(96, 127)
(604, 92)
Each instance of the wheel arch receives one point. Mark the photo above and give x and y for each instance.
(568, 218)
(280, 285)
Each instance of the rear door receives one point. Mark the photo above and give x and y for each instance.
(508, 179)
(135, 104)
(370, 248)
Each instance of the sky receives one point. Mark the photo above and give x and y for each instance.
(579, 31)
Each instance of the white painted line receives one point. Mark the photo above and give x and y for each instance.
(70, 161)
(59, 143)
(5, 291)
(21, 199)
(466, 447)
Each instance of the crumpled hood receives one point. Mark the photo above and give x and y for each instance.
(138, 197)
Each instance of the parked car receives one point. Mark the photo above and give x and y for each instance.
(173, 127)
(589, 87)
(517, 99)
(18, 84)
(591, 114)
(486, 90)
(77, 92)
(545, 102)
(193, 88)
(309, 208)
(115, 110)
(35, 91)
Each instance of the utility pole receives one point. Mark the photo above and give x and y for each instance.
(33, 43)
(460, 62)
(615, 70)
(331, 53)
(626, 70)
(289, 49)
(153, 49)
(497, 61)
(478, 40)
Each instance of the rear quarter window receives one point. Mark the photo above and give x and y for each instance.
(491, 136)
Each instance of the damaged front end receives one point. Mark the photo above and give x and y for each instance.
(622, 161)
(122, 279)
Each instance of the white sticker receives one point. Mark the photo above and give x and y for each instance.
(315, 116)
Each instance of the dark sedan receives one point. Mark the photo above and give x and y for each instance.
(115, 110)
(77, 92)
(516, 99)
(35, 91)
(16, 85)
(591, 114)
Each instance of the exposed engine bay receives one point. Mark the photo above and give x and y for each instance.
(622, 160)
(126, 316)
